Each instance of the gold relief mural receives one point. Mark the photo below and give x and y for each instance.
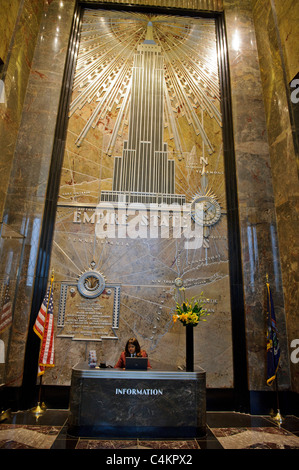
(142, 197)
(199, 5)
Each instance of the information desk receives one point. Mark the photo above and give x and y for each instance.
(118, 403)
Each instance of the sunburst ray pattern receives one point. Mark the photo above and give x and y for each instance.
(103, 74)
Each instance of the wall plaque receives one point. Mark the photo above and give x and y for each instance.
(88, 318)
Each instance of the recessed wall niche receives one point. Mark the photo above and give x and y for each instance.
(142, 206)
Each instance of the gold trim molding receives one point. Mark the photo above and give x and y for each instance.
(203, 5)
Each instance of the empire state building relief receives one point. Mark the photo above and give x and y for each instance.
(152, 87)
(143, 152)
(144, 173)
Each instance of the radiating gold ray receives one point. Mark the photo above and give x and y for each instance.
(103, 74)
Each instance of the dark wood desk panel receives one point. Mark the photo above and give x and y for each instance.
(115, 402)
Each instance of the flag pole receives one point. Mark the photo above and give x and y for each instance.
(38, 410)
(277, 417)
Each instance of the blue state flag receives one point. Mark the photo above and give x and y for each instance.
(273, 349)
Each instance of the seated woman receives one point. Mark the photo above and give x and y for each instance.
(132, 349)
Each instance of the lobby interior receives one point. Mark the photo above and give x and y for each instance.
(60, 162)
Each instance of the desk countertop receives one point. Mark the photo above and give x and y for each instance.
(84, 371)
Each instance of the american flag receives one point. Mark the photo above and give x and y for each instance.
(39, 324)
(6, 311)
(44, 328)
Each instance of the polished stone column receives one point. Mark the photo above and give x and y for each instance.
(25, 202)
(259, 242)
(19, 44)
(277, 32)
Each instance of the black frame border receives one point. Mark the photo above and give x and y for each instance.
(29, 387)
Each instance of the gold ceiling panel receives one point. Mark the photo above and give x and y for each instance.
(203, 5)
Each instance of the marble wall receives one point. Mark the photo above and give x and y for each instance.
(27, 178)
(259, 239)
(262, 249)
(21, 21)
(17, 46)
(8, 14)
(276, 26)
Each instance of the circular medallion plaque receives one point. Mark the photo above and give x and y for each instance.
(205, 210)
(91, 284)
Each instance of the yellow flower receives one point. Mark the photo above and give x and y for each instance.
(184, 317)
(190, 312)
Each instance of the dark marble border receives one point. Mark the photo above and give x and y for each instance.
(235, 263)
(43, 261)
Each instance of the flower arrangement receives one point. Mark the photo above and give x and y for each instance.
(190, 313)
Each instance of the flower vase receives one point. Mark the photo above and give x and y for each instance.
(189, 348)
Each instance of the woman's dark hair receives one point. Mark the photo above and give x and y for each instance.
(135, 342)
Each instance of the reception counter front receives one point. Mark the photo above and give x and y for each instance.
(118, 403)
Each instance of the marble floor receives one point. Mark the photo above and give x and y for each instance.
(225, 430)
